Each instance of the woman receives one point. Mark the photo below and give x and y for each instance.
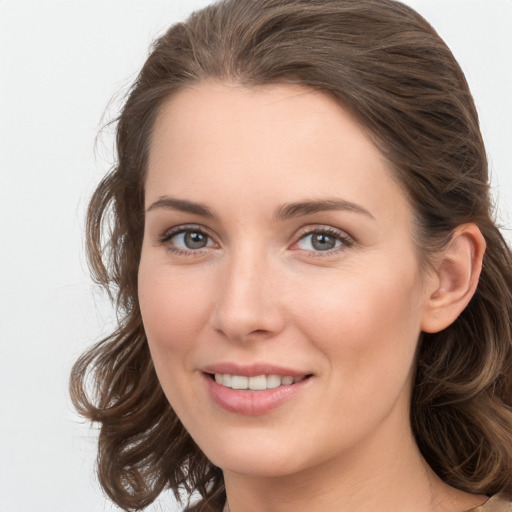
(316, 306)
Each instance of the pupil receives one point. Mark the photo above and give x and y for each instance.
(195, 240)
(323, 242)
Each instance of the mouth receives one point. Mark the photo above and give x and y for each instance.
(254, 389)
(256, 382)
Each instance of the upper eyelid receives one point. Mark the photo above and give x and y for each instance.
(170, 232)
(345, 238)
(323, 228)
(299, 234)
(165, 240)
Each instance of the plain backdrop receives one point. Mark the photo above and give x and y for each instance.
(61, 64)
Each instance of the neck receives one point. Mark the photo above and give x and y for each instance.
(380, 475)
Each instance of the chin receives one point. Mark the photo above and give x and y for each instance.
(261, 465)
(262, 455)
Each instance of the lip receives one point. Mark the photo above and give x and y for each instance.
(252, 370)
(248, 402)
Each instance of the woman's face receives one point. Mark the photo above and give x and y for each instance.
(278, 255)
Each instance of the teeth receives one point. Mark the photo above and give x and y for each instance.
(273, 381)
(257, 383)
(239, 382)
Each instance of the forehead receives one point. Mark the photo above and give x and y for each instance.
(256, 114)
(278, 141)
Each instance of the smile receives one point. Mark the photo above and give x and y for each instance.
(255, 383)
(253, 390)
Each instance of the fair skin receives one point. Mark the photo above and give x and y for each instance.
(277, 242)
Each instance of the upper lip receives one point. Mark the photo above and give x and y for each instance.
(252, 370)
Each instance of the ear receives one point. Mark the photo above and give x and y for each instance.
(454, 279)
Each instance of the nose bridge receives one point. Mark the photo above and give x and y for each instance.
(247, 304)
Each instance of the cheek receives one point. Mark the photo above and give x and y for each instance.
(365, 321)
(174, 310)
(366, 326)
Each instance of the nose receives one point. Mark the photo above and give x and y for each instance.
(248, 304)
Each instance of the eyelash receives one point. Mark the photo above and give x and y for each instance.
(168, 235)
(345, 240)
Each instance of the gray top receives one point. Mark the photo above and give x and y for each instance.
(496, 503)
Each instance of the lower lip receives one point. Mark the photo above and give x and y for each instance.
(252, 403)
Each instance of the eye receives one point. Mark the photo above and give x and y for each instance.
(323, 240)
(187, 239)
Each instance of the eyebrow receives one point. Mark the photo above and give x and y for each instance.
(284, 212)
(290, 210)
(171, 203)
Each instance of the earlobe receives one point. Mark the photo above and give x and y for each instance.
(455, 278)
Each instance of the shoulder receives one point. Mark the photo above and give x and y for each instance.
(496, 503)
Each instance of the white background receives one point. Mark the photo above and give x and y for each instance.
(61, 62)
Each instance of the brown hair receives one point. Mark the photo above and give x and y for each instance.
(385, 64)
